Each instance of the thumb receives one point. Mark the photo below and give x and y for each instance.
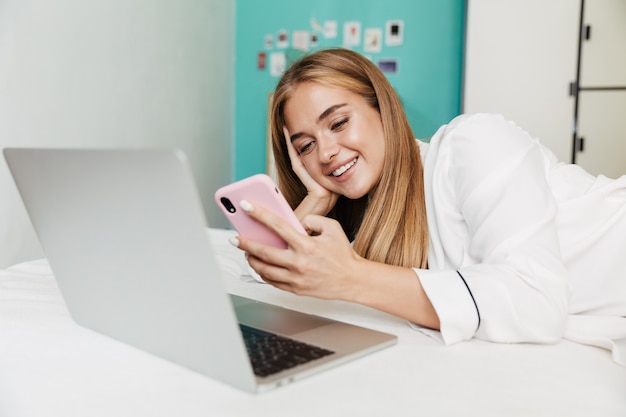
(316, 225)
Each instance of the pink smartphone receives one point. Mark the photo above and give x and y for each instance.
(257, 189)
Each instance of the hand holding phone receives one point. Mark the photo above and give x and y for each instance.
(259, 189)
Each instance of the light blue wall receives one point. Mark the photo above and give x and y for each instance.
(430, 60)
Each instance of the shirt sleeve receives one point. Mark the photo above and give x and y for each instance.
(505, 281)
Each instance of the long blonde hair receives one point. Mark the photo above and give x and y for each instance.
(389, 224)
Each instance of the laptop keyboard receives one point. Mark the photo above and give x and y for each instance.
(270, 353)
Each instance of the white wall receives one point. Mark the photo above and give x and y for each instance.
(520, 59)
(109, 73)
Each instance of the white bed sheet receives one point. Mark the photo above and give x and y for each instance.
(49, 366)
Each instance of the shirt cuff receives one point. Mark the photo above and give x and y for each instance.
(453, 301)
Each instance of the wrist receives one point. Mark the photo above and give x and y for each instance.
(314, 205)
(393, 289)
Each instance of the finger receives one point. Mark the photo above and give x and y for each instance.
(272, 221)
(316, 225)
(259, 256)
(271, 274)
(294, 157)
(296, 164)
(290, 147)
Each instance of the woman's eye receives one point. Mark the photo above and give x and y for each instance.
(305, 148)
(339, 124)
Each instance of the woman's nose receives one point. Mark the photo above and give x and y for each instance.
(327, 148)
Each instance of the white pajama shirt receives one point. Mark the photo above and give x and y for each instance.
(522, 248)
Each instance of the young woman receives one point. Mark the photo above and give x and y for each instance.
(478, 233)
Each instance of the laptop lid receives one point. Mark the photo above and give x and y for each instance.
(125, 234)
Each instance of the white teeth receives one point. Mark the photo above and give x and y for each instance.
(344, 168)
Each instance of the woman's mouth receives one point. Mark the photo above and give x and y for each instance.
(339, 171)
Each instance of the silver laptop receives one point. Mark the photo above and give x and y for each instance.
(125, 234)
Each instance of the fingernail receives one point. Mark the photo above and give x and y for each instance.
(245, 205)
(234, 241)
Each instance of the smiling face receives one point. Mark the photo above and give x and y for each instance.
(339, 138)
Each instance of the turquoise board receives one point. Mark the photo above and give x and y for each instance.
(428, 63)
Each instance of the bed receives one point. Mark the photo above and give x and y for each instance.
(50, 366)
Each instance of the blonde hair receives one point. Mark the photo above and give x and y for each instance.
(389, 224)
